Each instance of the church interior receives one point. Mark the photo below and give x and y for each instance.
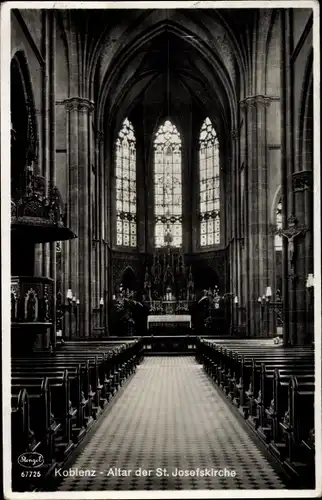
(162, 250)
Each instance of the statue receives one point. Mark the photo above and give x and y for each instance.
(292, 232)
(168, 293)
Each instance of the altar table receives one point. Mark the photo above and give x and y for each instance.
(169, 320)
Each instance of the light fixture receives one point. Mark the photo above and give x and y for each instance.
(259, 299)
(268, 292)
(69, 295)
(101, 301)
(77, 302)
(236, 299)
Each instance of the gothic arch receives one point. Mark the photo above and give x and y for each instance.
(128, 278)
(272, 52)
(24, 133)
(276, 242)
(306, 115)
(276, 199)
(162, 118)
(121, 59)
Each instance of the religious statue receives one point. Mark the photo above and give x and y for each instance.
(168, 276)
(190, 287)
(168, 293)
(31, 306)
(292, 232)
(147, 284)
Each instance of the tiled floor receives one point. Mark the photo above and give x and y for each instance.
(171, 418)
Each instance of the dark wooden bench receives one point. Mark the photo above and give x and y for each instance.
(57, 427)
(256, 378)
(266, 393)
(56, 396)
(298, 427)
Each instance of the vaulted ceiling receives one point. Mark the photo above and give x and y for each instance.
(197, 54)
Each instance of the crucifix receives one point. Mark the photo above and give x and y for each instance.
(293, 231)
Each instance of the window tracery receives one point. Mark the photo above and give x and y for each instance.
(209, 178)
(125, 173)
(167, 186)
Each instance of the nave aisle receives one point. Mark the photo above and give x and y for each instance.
(170, 417)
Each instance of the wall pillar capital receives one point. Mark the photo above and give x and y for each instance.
(80, 104)
(255, 101)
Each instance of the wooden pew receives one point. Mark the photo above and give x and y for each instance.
(257, 378)
(266, 392)
(280, 406)
(77, 381)
(39, 411)
(298, 424)
(22, 439)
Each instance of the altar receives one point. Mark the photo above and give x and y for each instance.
(168, 321)
(168, 294)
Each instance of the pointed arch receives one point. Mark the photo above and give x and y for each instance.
(24, 133)
(167, 186)
(128, 279)
(278, 243)
(125, 174)
(209, 185)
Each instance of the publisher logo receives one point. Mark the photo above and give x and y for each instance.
(30, 459)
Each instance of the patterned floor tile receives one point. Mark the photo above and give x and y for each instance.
(170, 429)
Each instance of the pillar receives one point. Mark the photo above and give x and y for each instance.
(52, 152)
(234, 219)
(302, 192)
(79, 208)
(256, 231)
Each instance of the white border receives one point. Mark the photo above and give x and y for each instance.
(5, 239)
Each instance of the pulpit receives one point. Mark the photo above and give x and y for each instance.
(36, 217)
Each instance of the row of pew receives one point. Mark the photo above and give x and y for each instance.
(56, 398)
(273, 388)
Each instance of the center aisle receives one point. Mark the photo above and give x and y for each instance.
(170, 416)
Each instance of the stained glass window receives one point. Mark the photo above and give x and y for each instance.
(209, 185)
(167, 186)
(125, 173)
(279, 225)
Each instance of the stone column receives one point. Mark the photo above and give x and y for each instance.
(45, 249)
(256, 186)
(79, 154)
(287, 166)
(234, 225)
(302, 189)
(52, 153)
(140, 189)
(99, 247)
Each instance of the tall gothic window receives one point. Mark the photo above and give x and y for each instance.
(209, 185)
(167, 186)
(278, 244)
(125, 173)
(279, 225)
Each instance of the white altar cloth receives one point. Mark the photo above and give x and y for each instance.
(169, 318)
